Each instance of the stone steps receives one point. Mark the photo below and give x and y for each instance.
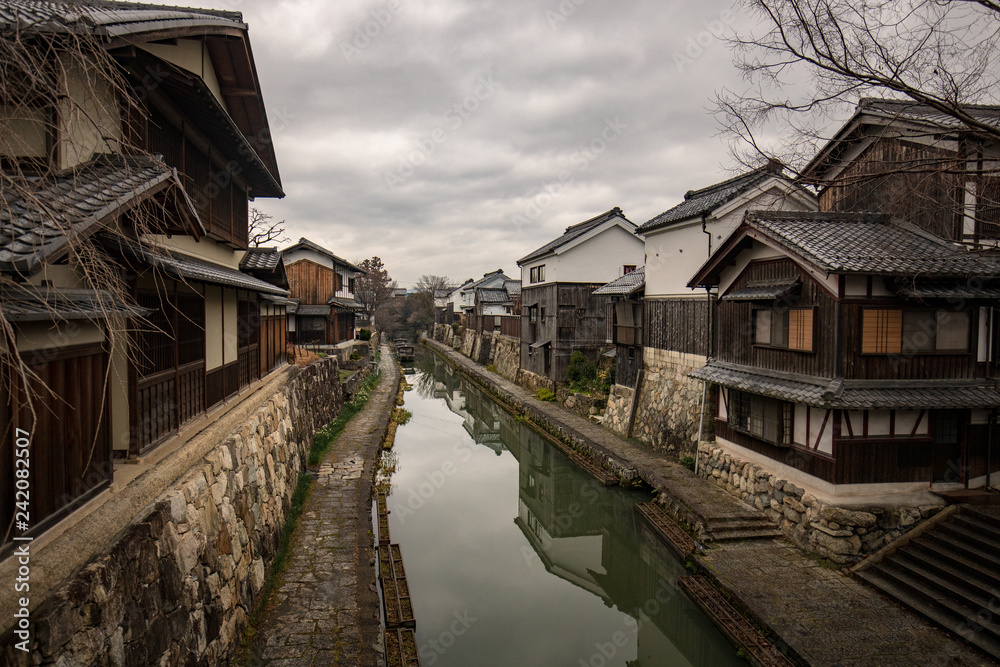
(949, 574)
(744, 527)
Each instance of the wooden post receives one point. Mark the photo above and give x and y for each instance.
(635, 402)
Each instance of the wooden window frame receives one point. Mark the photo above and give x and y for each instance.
(893, 320)
(800, 338)
(748, 413)
(536, 274)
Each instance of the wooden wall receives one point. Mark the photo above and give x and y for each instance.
(681, 325)
(904, 179)
(310, 283)
(71, 456)
(735, 326)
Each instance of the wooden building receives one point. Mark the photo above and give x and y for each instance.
(624, 321)
(152, 184)
(913, 162)
(855, 353)
(322, 286)
(559, 312)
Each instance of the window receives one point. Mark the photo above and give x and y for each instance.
(899, 331)
(533, 314)
(784, 328)
(350, 285)
(537, 274)
(765, 418)
(627, 269)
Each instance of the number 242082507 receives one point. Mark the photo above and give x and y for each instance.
(22, 467)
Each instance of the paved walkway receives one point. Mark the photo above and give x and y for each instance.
(820, 614)
(325, 610)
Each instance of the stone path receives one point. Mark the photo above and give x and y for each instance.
(820, 614)
(325, 611)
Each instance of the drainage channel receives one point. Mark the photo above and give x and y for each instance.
(516, 556)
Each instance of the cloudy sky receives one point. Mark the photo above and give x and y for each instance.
(452, 137)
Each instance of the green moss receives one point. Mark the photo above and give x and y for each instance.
(329, 434)
(545, 394)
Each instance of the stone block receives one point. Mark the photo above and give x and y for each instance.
(842, 546)
(847, 517)
(831, 532)
(792, 515)
(794, 504)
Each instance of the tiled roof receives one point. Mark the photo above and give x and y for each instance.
(974, 288)
(189, 268)
(34, 304)
(627, 284)
(74, 202)
(910, 110)
(491, 277)
(853, 394)
(112, 19)
(513, 287)
(313, 310)
(760, 290)
(342, 302)
(867, 243)
(492, 295)
(706, 200)
(260, 259)
(305, 243)
(573, 232)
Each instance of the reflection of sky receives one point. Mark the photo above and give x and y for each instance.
(453, 510)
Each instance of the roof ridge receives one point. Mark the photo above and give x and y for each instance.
(874, 102)
(694, 194)
(607, 215)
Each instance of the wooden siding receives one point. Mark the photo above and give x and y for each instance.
(272, 342)
(810, 462)
(574, 319)
(70, 442)
(680, 325)
(735, 326)
(904, 179)
(902, 366)
(310, 283)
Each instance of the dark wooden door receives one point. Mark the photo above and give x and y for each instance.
(947, 436)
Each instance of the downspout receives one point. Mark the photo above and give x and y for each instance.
(709, 351)
(701, 426)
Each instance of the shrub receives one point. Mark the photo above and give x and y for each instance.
(492, 368)
(687, 462)
(581, 372)
(545, 394)
(454, 328)
(365, 334)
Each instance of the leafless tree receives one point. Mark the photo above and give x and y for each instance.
(373, 289)
(426, 289)
(263, 229)
(806, 61)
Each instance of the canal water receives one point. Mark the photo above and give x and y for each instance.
(514, 556)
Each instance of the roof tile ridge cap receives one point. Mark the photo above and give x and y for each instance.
(693, 194)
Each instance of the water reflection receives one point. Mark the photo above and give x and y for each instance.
(578, 579)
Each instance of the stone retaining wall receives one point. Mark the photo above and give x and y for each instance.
(175, 587)
(669, 411)
(507, 355)
(839, 534)
(619, 409)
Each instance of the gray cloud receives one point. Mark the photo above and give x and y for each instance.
(377, 159)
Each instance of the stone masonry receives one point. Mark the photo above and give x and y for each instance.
(176, 586)
(839, 534)
(669, 411)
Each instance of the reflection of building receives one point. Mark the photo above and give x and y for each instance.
(482, 420)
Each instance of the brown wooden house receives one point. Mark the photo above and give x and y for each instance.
(854, 353)
(322, 287)
(154, 181)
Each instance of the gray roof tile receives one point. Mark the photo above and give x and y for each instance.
(73, 202)
(763, 290)
(868, 243)
(573, 232)
(260, 259)
(305, 243)
(313, 310)
(910, 110)
(34, 304)
(113, 19)
(853, 394)
(706, 200)
(627, 284)
(492, 295)
(189, 268)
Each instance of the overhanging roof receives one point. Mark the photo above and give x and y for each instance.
(853, 394)
(763, 290)
(627, 285)
(306, 244)
(189, 268)
(45, 304)
(574, 232)
(39, 217)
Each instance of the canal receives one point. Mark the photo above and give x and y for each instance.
(514, 556)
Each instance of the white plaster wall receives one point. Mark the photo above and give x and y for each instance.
(675, 254)
(90, 121)
(189, 54)
(213, 327)
(305, 253)
(600, 259)
(26, 133)
(205, 249)
(230, 335)
(36, 336)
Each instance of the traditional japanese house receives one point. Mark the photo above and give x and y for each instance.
(559, 313)
(855, 353)
(124, 227)
(624, 318)
(322, 286)
(916, 163)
